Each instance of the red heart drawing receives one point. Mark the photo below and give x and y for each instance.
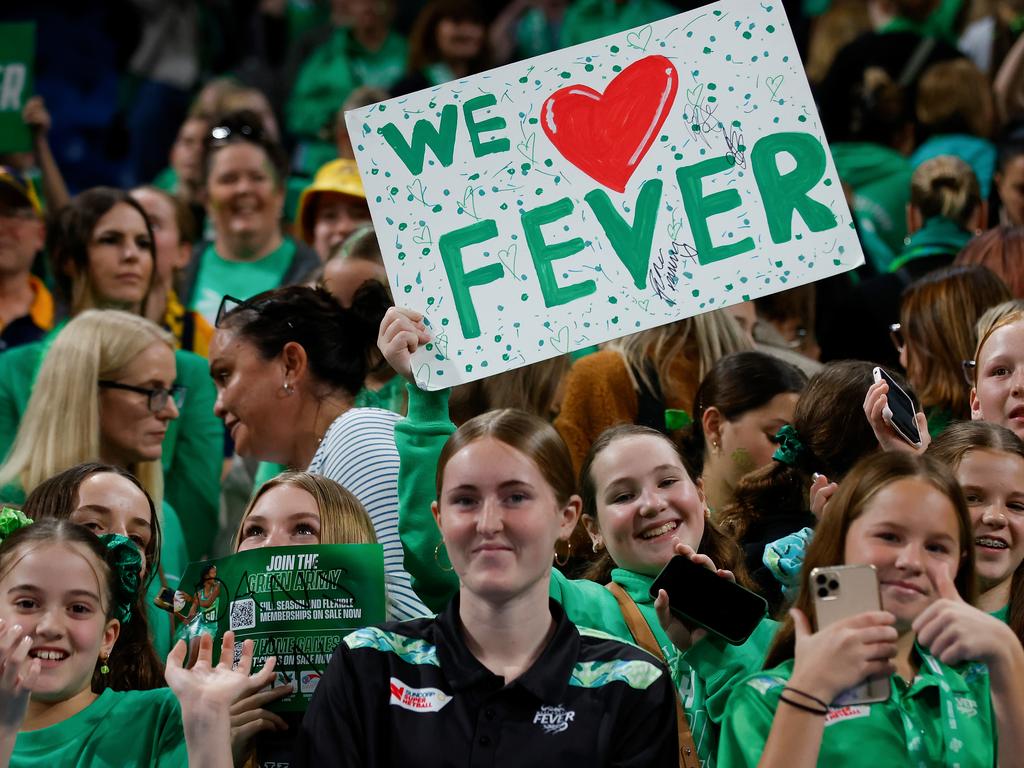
(607, 135)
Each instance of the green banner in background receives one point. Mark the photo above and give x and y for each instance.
(295, 603)
(17, 56)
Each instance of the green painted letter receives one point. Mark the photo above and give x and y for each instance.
(424, 134)
(699, 208)
(631, 244)
(784, 194)
(491, 124)
(461, 281)
(544, 254)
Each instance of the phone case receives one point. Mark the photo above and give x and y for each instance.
(887, 412)
(842, 591)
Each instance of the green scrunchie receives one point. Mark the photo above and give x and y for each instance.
(11, 520)
(676, 418)
(126, 562)
(791, 449)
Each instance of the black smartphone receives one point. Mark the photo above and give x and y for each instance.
(704, 598)
(900, 410)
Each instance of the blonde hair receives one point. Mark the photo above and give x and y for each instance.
(343, 519)
(945, 186)
(61, 425)
(1007, 313)
(711, 336)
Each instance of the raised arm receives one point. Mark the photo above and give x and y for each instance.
(419, 437)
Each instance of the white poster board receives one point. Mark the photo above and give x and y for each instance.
(604, 189)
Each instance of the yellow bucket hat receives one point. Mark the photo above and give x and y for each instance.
(338, 176)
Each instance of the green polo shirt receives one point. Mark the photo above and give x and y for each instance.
(907, 730)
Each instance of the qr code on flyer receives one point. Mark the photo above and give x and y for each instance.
(243, 614)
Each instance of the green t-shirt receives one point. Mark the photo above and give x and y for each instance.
(219, 277)
(1003, 614)
(128, 729)
(908, 729)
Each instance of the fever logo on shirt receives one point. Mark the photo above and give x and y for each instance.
(417, 699)
(554, 719)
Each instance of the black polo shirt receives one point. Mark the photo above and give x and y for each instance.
(411, 694)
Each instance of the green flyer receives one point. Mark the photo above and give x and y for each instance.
(17, 55)
(295, 603)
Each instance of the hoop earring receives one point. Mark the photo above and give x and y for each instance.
(597, 546)
(437, 558)
(561, 562)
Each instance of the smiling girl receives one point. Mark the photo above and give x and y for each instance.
(65, 597)
(639, 505)
(905, 516)
(997, 371)
(988, 461)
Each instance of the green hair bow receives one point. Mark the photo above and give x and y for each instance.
(125, 560)
(12, 520)
(791, 449)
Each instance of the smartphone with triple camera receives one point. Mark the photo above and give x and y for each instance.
(702, 597)
(840, 592)
(900, 410)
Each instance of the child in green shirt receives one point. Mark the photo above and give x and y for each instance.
(67, 599)
(956, 673)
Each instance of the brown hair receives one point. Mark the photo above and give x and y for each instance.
(945, 186)
(133, 663)
(530, 435)
(938, 314)
(423, 48)
(955, 97)
(343, 519)
(723, 551)
(828, 546)
(829, 419)
(183, 217)
(950, 448)
(1000, 249)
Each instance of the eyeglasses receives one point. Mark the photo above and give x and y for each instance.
(8, 213)
(158, 397)
(896, 334)
(970, 369)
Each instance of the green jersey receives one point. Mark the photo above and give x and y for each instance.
(943, 717)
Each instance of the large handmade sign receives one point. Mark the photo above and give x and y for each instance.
(17, 57)
(603, 189)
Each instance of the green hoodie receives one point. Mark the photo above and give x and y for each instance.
(880, 178)
(704, 674)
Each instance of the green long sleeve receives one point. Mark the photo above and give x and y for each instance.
(420, 436)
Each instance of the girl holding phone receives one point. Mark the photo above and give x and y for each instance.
(957, 674)
(640, 507)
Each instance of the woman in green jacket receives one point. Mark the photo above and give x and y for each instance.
(643, 513)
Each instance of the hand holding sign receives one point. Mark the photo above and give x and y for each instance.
(401, 333)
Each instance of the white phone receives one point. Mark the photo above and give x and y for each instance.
(840, 592)
(900, 411)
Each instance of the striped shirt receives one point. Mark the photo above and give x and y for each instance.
(358, 452)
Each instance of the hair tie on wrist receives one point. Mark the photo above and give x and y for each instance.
(804, 707)
(798, 692)
(11, 520)
(125, 560)
(791, 449)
